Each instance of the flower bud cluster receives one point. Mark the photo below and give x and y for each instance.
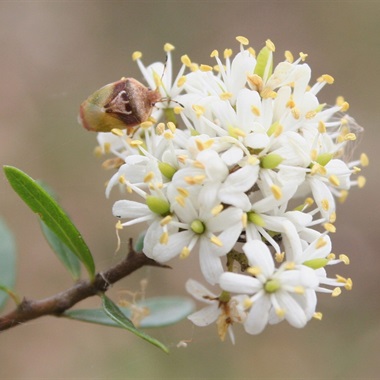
(241, 165)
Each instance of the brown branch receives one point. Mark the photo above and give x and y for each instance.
(57, 304)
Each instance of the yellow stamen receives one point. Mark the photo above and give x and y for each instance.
(216, 209)
(279, 257)
(280, 313)
(168, 135)
(270, 45)
(299, 290)
(164, 238)
(289, 56)
(364, 161)
(326, 78)
(118, 225)
(122, 180)
(334, 180)
(166, 220)
(318, 315)
(186, 60)
(268, 93)
(214, 54)
(256, 110)
(303, 56)
(242, 40)
(199, 110)
(215, 240)
(344, 258)
(135, 143)
(171, 126)
(321, 127)
(205, 68)
(181, 81)
(329, 227)
(276, 191)
(320, 243)
(343, 196)
(336, 292)
(184, 253)
(180, 200)
(252, 51)
(182, 191)
(149, 176)
(244, 219)
(254, 271)
(225, 95)
(332, 217)
(325, 204)
(168, 47)
(117, 132)
(361, 181)
(227, 53)
(136, 55)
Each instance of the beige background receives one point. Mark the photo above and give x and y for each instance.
(53, 55)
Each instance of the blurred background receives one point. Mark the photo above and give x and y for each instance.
(53, 55)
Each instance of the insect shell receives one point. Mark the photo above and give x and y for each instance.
(122, 104)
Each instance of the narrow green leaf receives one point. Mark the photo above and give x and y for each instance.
(64, 254)
(7, 262)
(113, 311)
(51, 214)
(157, 312)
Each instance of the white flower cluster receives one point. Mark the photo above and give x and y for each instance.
(241, 165)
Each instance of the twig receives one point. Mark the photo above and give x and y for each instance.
(59, 303)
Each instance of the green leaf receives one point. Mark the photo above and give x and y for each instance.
(64, 253)
(161, 311)
(7, 262)
(113, 311)
(51, 214)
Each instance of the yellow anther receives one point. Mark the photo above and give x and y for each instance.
(202, 145)
(329, 227)
(296, 113)
(345, 106)
(299, 289)
(177, 110)
(321, 127)
(256, 110)
(184, 253)
(136, 55)
(343, 196)
(172, 127)
(244, 219)
(318, 315)
(339, 102)
(149, 176)
(303, 56)
(98, 151)
(129, 189)
(215, 240)
(326, 78)
(278, 131)
(205, 68)
(237, 132)
(364, 161)
(216, 209)
(276, 191)
(118, 225)
(336, 292)
(325, 204)
(290, 265)
(182, 158)
(198, 164)
(225, 95)
(279, 257)
(182, 191)
(334, 180)
(227, 53)
(361, 181)
(344, 258)
(310, 114)
(122, 180)
(313, 154)
(168, 47)
(350, 137)
(168, 135)
(332, 217)
(254, 271)
(180, 200)
(198, 179)
(309, 201)
(146, 124)
(255, 81)
(270, 45)
(160, 129)
(252, 51)
(166, 220)
(117, 132)
(135, 143)
(214, 54)
(289, 56)
(164, 238)
(280, 312)
(186, 60)
(268, 93)
(242, 40)
(199, 110)
(194, 67)
(331, 256)
(181, 81)
(320, 243)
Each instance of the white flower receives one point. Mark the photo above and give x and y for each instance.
(275, 294)
(224, 312)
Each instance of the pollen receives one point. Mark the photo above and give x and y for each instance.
(186, 60)
(242, 40)
(136, 55)
(166, 220)
(214, 54)
(205, 68)
(217, 209)
(325, 204)
(227, 53)
(344, 258)
(256, 110)
(336, 292)
(329, 227)
(270, 45)
(225, 95)
(361, 181)
(184, 253)
(289, 56)
(320, 243)
(276, 191)
(199, 110)
(164, 238)
(254, 271)
(334, 180)
(326, 78)
(215, 240)
(321, 127)
(168, 47)
(117, 132)
(364, 161)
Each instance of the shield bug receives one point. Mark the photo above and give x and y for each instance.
(122, 104)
